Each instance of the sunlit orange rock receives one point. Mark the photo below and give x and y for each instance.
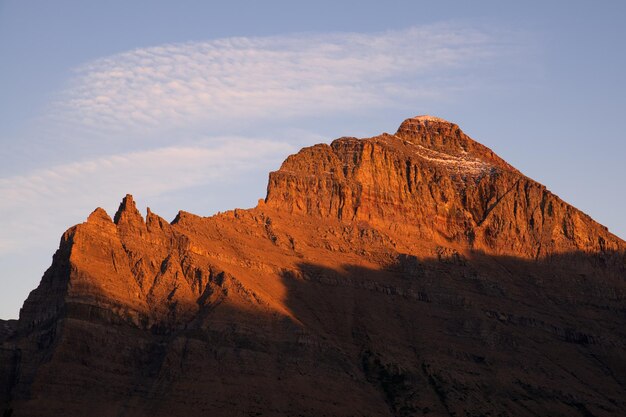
(407, 274)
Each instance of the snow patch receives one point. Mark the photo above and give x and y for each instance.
(428, 118)
(463, 164)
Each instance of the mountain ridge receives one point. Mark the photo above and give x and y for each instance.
(474, 191)
(407, 274)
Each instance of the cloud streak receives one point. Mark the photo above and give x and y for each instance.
(267, 77)
(44, 199)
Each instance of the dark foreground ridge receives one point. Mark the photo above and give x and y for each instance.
(400, 275)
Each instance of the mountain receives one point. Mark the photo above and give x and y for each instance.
(400, 275)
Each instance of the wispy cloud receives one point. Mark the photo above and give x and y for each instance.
(45, 201)
(268, 77)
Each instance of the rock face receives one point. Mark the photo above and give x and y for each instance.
(408, 274)
(438, 184)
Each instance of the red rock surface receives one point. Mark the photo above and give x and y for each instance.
(408, 274)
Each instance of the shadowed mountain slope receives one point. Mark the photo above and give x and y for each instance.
(408, 274)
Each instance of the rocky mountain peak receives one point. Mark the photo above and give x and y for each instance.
(127, 211)
(398, 275)
(128, 219)
(440, 140)
(425, 121)
(433, 180)
(99, 215)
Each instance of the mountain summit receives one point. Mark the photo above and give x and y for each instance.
(414, 273)
(435, 183)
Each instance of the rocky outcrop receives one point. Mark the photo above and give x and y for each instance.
(433, 181)
(401, 275)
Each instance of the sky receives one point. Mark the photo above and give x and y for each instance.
(188, 105)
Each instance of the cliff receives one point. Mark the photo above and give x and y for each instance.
(438, 184)
(408, 274)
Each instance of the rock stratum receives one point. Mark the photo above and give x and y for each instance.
(401, 275)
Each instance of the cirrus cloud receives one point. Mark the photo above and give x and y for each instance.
(45, 201)
(175, 85)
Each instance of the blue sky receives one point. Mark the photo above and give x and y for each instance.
(189, 104)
